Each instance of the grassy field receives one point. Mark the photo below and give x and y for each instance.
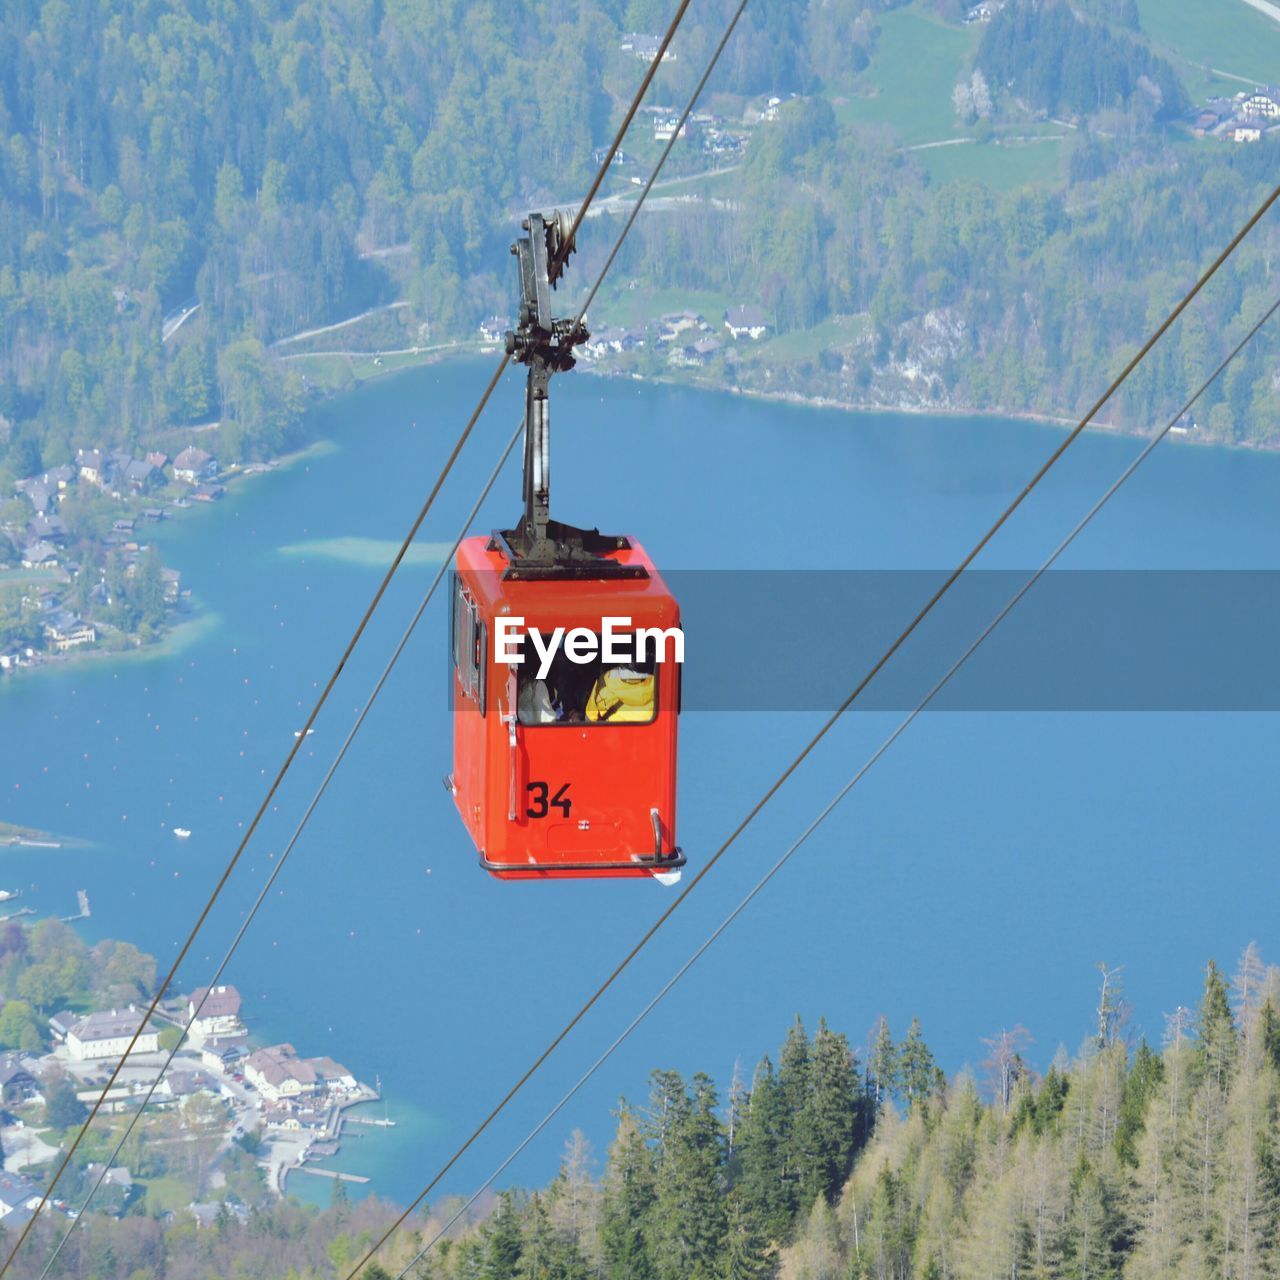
(1001, 167)
(626, 307)
(805, 342)
(1224, 34)
(916, 65)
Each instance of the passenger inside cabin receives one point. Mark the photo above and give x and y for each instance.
(587, 693)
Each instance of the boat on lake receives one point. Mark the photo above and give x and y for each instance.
(181, 832)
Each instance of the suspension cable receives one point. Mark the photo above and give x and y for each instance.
(1117, 382)
(377, 689)
(276, 782)
(830, 807)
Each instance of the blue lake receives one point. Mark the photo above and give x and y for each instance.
(975, 879)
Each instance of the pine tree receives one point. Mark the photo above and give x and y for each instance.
(882, 1065)
(762, 1156)
(689, 1218)
(745, 1253)
(1269, 1033)
(1140, 1086)
(827, 1125)
(502, 1241)
(630, 1192)
(1217, 1030)
(545, 1253)
(917, 1070)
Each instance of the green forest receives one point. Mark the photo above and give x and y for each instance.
(291, 163)
(1123, 1160)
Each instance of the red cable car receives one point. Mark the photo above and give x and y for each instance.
(564, 758)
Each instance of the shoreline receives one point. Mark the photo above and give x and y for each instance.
(459, 351)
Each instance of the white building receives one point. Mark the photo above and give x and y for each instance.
(746, 321)
(108, 1035)
(214, 1013)
(279, 1073)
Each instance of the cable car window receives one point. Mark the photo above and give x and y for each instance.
(469, 640)
(595, 692)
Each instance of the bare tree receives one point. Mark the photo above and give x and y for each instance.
(1113, 1008)
(1005, 1065)
(1248, 989)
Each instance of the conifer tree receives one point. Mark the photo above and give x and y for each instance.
(745, 1250)
(827, 1125)
(689, 1217)
(1140, 1085)
(1269, 1033)
(882, 1065)
(761, 1157)
(1217, 1030)
(630, 1191)
(918, 1071)
(502, 1241)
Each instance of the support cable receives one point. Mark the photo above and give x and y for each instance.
(836, 800)
(1117, 382)
(225, 876)
(324, 784)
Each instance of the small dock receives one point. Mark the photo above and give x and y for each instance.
(380, 1122)
(328, 1173)
(21, 911)
(82, 900)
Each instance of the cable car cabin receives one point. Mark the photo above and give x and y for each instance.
(572, 774)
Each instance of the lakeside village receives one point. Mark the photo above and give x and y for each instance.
(686, 338)
(221, 1104)
(76, 568)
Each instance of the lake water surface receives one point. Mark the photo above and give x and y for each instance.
(975, 879)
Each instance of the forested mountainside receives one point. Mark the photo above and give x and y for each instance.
(1122, 1161)
(289, 164)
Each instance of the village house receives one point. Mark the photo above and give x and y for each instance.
(207, 492)
(40, 555)
(602, 343)
(67, 631)
(677, 322)
(493, 329)
(214, 1013)
(278, 1073)
(178, 1086)
(17, 1083)
(108, 1035)
(645, 47)
(115, 1190)
(223, 1055)
(141, 475)
(47, 528)
(746, 321)
(1261, 106)
(37, 493)
(59, 478)
(333, 1075)
(193, 465)
(93, 466)
(296, 1116)
(1246, 133)
(17, 1194)
(62, 1022)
